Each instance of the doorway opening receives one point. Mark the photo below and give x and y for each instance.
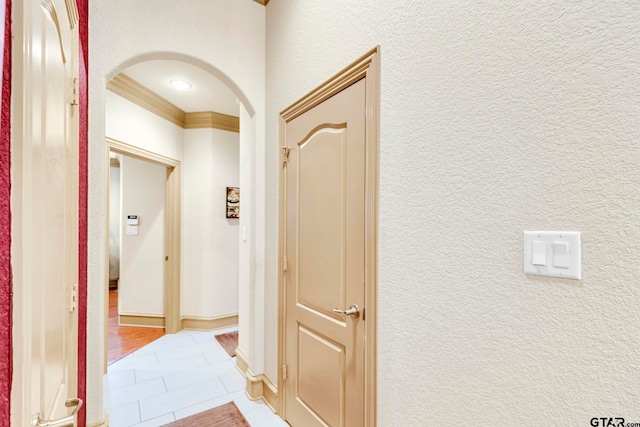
(145, 262)
(195, 125)
(146, 118)
(137, 253)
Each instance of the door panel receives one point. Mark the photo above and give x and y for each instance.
(321, 220)
(45, 198)
(52, 207)
(325, 245)
(321, 367)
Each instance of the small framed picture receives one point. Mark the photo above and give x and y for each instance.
(233, 202)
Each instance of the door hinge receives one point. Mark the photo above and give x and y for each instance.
(284, 372)
(74, 91)
(285, 155)
(73, 297)
(285, 263)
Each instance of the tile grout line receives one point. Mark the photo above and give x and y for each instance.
(224, 385)
(165, 392)
(228, 395)
(139, 412)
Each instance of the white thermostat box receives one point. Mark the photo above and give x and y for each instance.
(132, 225)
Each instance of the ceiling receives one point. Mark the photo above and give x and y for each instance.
(206, 94)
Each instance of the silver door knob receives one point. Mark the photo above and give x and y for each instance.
(352, 311)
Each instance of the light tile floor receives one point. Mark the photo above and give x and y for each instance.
(176, 376)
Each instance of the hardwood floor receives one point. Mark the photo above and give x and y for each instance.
(126, 339)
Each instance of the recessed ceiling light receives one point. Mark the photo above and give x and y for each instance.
(180, 84)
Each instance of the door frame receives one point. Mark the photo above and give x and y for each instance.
(172, 238)
(368, 66)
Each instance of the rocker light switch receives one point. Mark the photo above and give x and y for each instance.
(539, 250)
(553, 253)
(560, 254)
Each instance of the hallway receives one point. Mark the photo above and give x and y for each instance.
(174, 377)
(494, 120)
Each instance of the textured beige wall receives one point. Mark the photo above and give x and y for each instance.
(141, 286)
(496, 117)
(210, 240)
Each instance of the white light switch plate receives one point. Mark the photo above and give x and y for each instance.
(556, 260)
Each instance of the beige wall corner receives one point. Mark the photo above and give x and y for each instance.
(258, 387)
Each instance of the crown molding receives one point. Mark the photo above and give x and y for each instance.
(133, 91)
(210, 119)
(262, 2)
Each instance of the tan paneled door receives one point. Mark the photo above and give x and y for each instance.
(45, 212)
(326, 183)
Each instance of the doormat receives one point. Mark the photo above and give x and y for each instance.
(229, 342)
(227, 415)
